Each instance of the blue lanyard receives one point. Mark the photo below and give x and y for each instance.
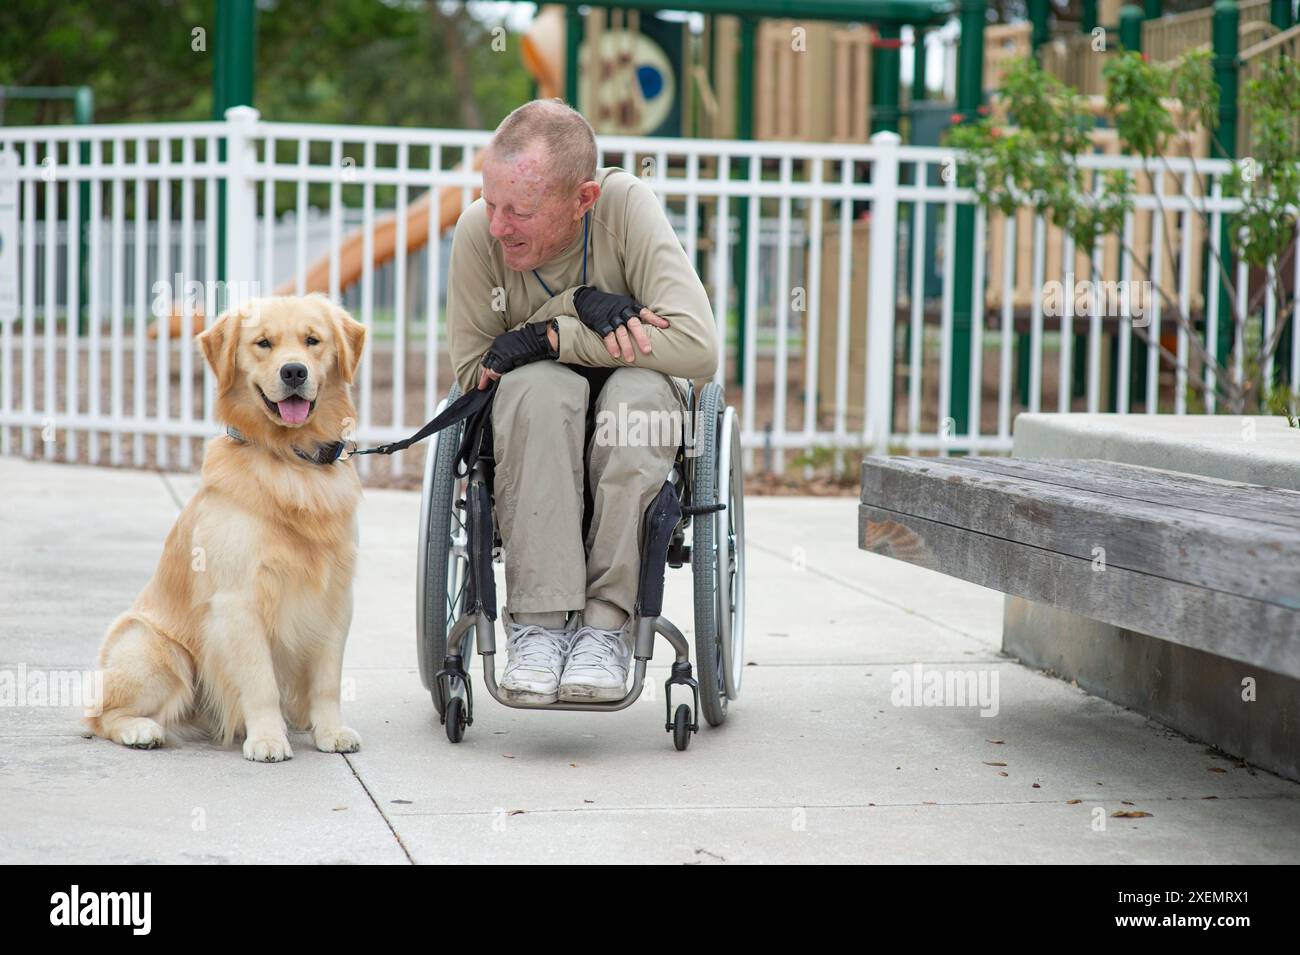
(585, 220)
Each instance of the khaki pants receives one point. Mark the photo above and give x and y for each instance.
(539, 419)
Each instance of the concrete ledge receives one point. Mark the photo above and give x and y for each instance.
(1189, 690)
(1252, 449)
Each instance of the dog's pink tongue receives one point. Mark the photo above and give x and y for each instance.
(294, 409)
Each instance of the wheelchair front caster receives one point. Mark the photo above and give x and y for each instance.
(682, 727)
(455, 719)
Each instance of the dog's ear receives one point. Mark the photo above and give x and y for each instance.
(349, 339)
(219, 343)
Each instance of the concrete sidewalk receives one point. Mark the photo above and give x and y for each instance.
(814, 764)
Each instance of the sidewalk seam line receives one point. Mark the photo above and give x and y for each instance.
(176, 499)
(382, 815)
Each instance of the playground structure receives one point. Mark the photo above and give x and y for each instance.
(1243, 36)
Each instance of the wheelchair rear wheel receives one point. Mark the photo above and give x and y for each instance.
(718, 554)
(443, 560)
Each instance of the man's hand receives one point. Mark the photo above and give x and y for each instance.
(618, 319)
(530, 343)
(619, 343)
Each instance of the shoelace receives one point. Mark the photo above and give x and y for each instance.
(608, 643)
(530, 647)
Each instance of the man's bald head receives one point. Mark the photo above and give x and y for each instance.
(563, 134)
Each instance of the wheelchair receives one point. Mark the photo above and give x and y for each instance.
(697, 518)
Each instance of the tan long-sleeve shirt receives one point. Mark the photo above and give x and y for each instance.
(633, 251)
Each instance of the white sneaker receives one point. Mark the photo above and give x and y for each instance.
(534, 660)
(598, 665)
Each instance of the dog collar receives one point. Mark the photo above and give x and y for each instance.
(326, 453)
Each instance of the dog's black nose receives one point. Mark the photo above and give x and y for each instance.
(293, 374)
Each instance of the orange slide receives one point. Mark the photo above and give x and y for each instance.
(542, 51)
(543, 56)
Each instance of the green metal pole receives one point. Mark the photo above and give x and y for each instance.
(1087, 24)
(885, 86)
(232, 85)
(1280, 17)
(970, 81)
(1039, 11)
(83, 114)
(1227, 20)
(1130, 27)
(745, 78)
(744, 130)
(240, 46)
(572, 44)
(918, 66)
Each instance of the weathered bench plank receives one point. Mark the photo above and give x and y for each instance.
(1227, 553)
(1270, 505)
(1220, 582)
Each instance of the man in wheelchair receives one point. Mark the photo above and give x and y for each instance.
(568, 284)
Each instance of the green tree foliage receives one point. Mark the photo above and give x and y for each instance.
(342, 61)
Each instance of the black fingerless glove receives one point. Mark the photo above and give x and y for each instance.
(603, 312)
(519, 347)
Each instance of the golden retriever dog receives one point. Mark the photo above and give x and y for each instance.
(242, 627)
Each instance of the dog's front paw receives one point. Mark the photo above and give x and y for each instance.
(267, 749)
(338, 740)
(140, 733)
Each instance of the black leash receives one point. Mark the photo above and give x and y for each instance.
(474, 408)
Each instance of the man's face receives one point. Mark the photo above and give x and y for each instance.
(532, 219)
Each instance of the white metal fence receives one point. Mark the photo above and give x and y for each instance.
(844, 341)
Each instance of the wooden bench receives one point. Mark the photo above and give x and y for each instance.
(1208, 564)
